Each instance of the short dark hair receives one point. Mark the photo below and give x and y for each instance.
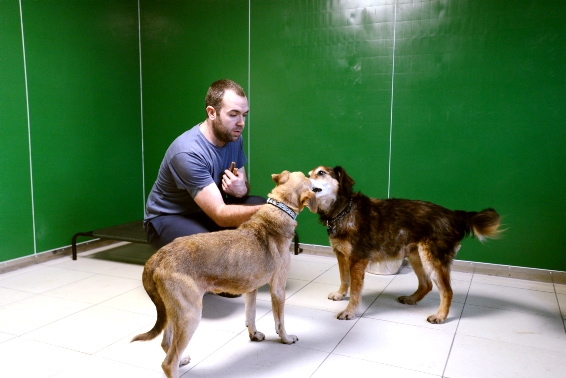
(216, 92)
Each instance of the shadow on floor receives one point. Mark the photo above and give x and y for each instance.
(133, 253)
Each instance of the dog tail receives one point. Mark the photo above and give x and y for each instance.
(149, 285)
(485, 224)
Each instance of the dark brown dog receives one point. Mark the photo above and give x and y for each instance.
(364, 230)
(235, 261)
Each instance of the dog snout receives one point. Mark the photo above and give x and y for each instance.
(314, 186)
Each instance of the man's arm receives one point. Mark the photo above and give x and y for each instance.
(210, 201)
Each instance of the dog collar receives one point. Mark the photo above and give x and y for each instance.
(283, 207)
(331, 223)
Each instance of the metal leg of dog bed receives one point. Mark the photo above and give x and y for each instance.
(74, 241)
(297, 248)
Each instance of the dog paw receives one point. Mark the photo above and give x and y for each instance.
(435, 319)
(290, 339)
(184, 360)
(335, 296)
(257, 336)
(346, 315)
(406, 300)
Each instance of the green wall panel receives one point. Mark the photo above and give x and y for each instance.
(457, 102)
(186, 45)
(321, 93)
(83, 81)
(16, 224)
(479, 119)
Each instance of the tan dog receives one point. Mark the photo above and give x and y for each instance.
(363, 230)
(236, 261)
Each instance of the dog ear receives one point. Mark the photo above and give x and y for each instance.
(280, 178)
(345, 181)
(308, 199)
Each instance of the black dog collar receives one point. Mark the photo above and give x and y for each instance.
(283, 207)
(331, 223)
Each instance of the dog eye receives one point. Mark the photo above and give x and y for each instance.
(321, 173)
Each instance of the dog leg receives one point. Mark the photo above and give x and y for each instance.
(277, 288)
(278, 304)
(344, 267)
(166, 344)
(182, 325)
(254, 334)
(167, 335)
(441, 278)
(357, 274)
(425, 284)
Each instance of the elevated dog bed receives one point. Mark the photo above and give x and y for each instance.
(133, 232)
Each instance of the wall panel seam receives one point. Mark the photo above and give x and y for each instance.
(141, 109)
(249, 170)
(29, 132)
(391, 104)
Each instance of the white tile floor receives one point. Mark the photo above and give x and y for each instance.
(69, 318)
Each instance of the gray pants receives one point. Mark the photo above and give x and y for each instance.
(164, 229)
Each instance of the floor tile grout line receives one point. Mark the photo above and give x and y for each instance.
(337, 344)
(457, 326)
(529, 346)
(237, 334)
(513, 311)
(562, 312)
(57, 320)
(357, 320)
(453, 345)
(46, 293)
(89, 306)
(309, 282)
(513, 287)
(376, 298)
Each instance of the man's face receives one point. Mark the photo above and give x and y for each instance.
(230, 121)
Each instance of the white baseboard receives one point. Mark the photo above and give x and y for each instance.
(531, 274)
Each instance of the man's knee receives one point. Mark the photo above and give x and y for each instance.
(170, 227)
(152, 236)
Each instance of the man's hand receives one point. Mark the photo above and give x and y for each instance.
(234, 183)
(210, 200)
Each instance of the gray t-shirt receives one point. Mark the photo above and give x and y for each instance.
(190, 164)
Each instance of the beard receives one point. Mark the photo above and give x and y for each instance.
(221, 132)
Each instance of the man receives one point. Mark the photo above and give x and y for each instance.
(195, 190)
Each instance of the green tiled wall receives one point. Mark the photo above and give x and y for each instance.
(458, 102)
(16, 223)
(186, 45)
(84, 156)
